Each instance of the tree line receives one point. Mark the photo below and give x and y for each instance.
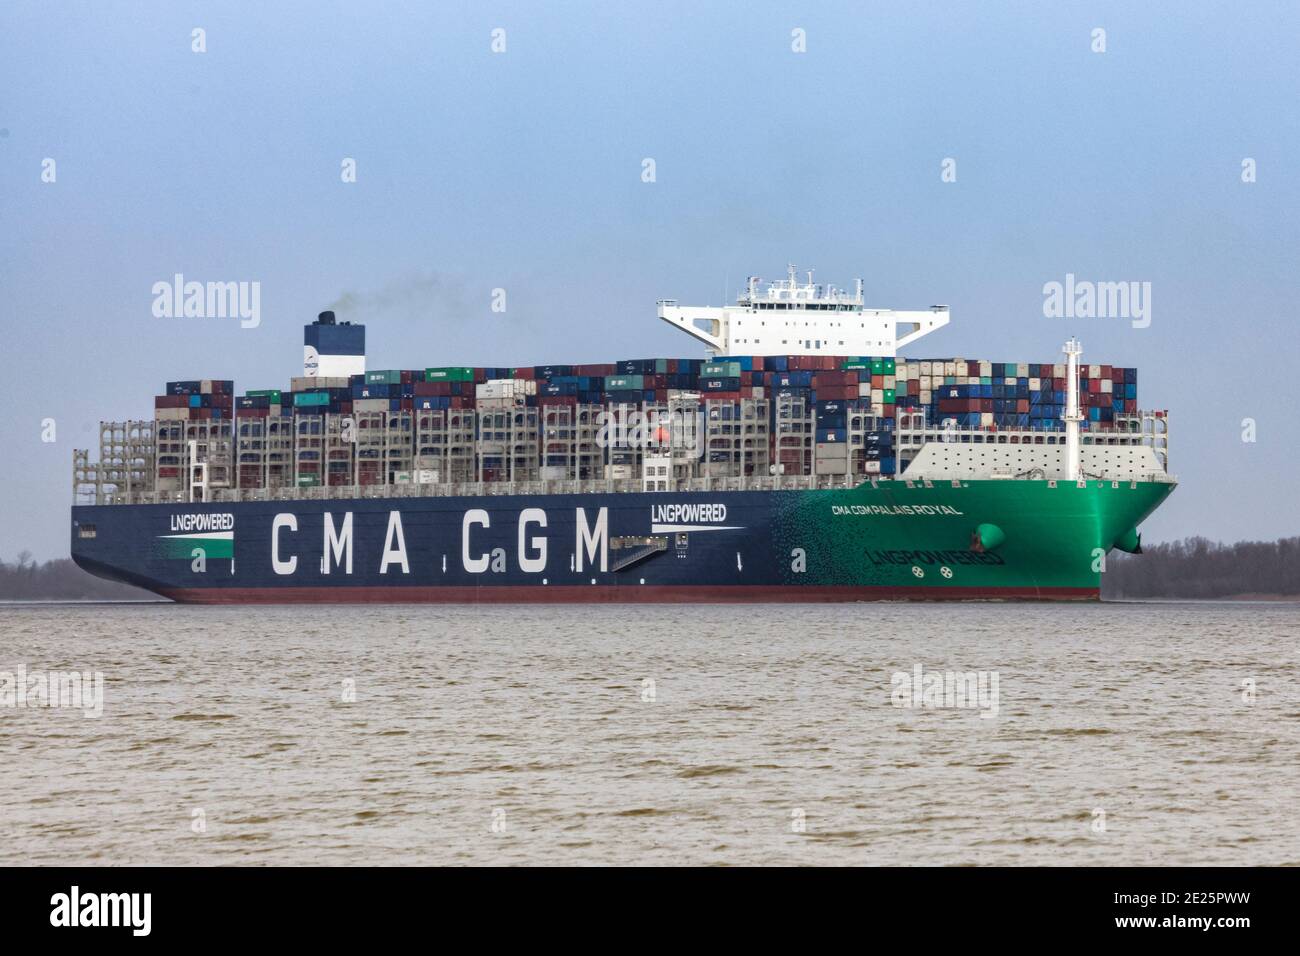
(58, 580)
(1200, 568)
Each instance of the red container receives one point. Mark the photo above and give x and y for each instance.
(527, 374)
(836, 378)
(171, 401)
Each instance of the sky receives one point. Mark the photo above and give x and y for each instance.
(522, 170)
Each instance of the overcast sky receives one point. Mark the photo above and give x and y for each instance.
(522, 170)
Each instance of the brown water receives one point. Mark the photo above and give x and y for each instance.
(528, 735)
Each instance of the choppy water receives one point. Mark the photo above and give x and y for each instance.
(531, 735)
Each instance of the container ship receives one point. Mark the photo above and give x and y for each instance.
(802, 459)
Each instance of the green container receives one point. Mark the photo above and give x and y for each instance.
(888, 398)
(384, 377)
(272, 393)
(878, 367)
(890, 366)
(452, 373)
(855, 365)
(617, 383)
(721, 370)
(311, 398)
(308, 481)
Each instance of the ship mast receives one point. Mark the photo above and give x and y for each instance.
(1072, 415)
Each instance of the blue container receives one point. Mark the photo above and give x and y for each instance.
(719, 384)
(746, 361)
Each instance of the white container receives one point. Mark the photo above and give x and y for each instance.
(505, 388)
(871, 467)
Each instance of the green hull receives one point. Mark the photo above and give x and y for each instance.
(985, 538)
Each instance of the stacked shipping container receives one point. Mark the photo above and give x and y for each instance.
(784, 414)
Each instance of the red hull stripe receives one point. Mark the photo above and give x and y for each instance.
(635, 594)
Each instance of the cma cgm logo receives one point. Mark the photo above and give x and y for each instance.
(481, 540)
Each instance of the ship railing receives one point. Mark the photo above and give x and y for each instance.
(471, 489)
(526, 489)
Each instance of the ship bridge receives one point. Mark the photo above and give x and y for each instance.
(792, 318)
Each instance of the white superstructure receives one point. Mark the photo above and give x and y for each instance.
(788, 318)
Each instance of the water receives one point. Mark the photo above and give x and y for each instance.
(529, 735)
